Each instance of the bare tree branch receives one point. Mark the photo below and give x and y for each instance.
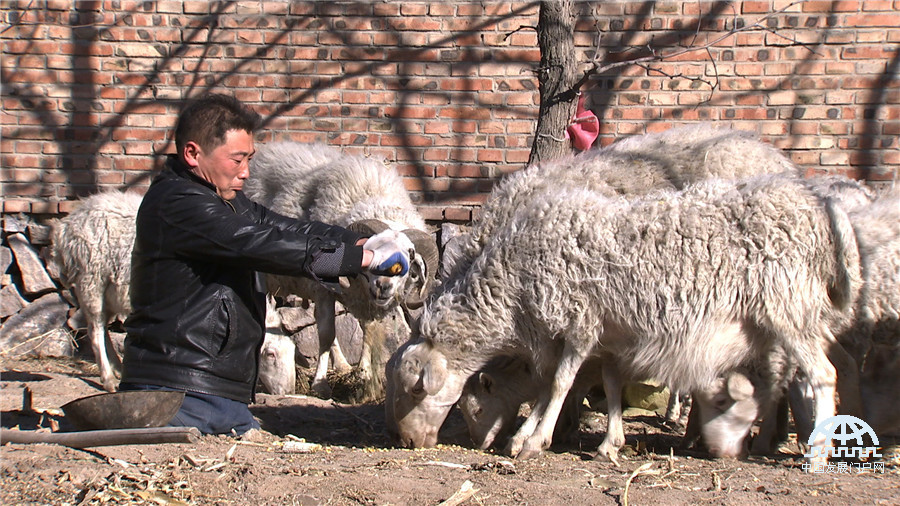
(598, 67)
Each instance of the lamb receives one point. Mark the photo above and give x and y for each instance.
(90, 252)
(317, 182)
(654, 282)
(491, 398)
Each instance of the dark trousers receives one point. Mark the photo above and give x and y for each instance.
(209, 413)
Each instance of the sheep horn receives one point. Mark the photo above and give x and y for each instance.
(367, 227)
(426, 247)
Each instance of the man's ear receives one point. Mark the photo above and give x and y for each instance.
(191, 150)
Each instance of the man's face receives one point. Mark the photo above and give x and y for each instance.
(225, 167)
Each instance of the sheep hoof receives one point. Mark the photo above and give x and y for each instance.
(514, 447)
(608, 453)
(321, 389)
(530, 450)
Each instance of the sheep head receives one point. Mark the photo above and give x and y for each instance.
(491, 398)
(728, 408)
(420, 390)
(412, 288)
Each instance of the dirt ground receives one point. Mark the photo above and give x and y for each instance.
(351, 461)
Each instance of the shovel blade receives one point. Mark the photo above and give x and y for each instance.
(124, 410)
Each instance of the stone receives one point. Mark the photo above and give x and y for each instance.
(647, 395)
(26, 331)
(11, 302)
(35, 279)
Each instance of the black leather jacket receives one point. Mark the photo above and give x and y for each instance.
(197, 294)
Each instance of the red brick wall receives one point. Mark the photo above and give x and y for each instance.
(444, 89)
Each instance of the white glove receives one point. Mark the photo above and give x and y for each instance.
(391, 253)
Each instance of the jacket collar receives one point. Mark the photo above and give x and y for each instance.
(181, 170)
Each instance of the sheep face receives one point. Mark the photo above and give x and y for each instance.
(277, 371)
(420, 392)
(489, 414)
(386, 290)
(410, 289)
(728, 409)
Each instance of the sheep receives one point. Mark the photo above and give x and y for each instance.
(277, 367)
(681, 286)
(633, 166)
(876, 329)
(90, 252)
(317, 182)
(491, 398)
(727, 410)
(876, 320)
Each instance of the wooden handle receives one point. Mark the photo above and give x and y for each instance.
(111, 437)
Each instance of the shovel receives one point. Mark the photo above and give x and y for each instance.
(132, 417)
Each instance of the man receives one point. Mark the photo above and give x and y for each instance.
(197, 288)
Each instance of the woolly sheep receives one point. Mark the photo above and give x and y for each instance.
(633, 166)
(679, 286)
(90, 252)
(492, 396)
(317, 182)
(876, 329)
(876, 223)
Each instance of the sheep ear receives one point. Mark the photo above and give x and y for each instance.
(486, 381)
(739, 387)
(435, 374)
(422, 273)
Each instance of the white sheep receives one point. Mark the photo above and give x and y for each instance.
(491, 399)
(875, 329)
(679, 286)
(317, 182)
(633, 166)
(877, 325)
(90, 252)
(277, 366)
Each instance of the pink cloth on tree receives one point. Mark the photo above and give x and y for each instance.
(584, 127)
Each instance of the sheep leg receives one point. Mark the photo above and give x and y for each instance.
(514, 447)
(847, 379)
(822, 380)
(563, 379)
(101, 345)
(801, 401)
(615, 430)
(325, 315)
(678, 407)
(338, 360)
(766, 439)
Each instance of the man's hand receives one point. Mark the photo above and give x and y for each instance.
(390, 251)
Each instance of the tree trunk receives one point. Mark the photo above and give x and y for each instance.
(556, 78)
